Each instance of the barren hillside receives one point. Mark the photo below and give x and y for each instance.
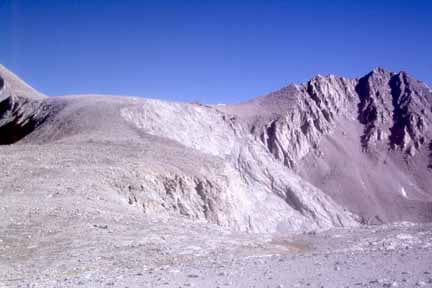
(122, 191)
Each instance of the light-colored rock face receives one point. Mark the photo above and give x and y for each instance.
(261, 166)
(195, 126)
(291, 121)
(252, 183)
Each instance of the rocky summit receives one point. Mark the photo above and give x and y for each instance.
(121, 191)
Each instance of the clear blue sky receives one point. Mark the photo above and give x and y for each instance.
(208, 51)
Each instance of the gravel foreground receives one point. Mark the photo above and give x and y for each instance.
(136, 251)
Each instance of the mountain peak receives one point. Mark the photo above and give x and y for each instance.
(379, 70)
(16, 85)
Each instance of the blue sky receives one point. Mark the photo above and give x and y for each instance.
(208, 51)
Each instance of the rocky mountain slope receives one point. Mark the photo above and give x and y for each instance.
(19, 111)
(365, 142)
(331, 152)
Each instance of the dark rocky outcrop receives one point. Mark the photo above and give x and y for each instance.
(21, 108)
(430, 155)
(17, 124)
(392, 110)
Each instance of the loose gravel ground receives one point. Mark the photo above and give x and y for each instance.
(131, 250)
